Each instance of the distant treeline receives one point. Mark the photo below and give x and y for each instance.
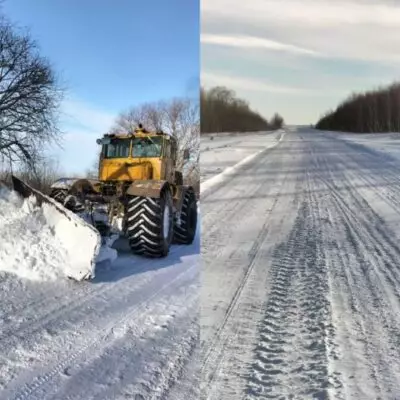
(222, 111)
(373, 111)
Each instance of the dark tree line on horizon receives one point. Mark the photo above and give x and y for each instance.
(373, 111)
(222, 111)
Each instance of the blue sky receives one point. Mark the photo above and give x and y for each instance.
(111, 55)
(299, 57)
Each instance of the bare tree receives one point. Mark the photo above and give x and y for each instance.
(42, 177)
(149, 115)
(181, 119)
(276, 122)
(93, 171)
(29, 98)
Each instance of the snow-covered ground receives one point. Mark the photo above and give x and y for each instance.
(300, 288)
(388, 143)
(219, 152)
(131, 332)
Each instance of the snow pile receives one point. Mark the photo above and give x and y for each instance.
(106, 251)
(39, 243)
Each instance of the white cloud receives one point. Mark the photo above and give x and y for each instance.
(250, 84)
(312, 12)
(252, 42)
(341, 29)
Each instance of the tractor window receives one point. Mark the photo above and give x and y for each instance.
(118, 148)
(147, 146)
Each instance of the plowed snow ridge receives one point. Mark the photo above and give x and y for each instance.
(28, 246)
(35, 241)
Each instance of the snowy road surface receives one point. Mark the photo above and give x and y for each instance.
(132, 333)
(300, 289)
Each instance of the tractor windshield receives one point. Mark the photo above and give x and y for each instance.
(147, 146)
(118, 148)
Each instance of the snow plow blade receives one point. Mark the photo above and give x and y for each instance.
(81, 239)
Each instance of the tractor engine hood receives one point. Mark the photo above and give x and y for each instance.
(127, 170)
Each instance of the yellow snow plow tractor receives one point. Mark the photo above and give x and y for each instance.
(139, 193)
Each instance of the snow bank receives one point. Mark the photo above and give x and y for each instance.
(39, 243)
(216, 179)
(262, 143)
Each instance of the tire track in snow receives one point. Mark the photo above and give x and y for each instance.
(222, 217)
(354, 280)
(364, 272)
(75, 291)
(381, 247)
(373, 168)
(362, 280)
(331, 326)
(213, 351)
(295, 317)
(99, 339)
(80, 297)
(383, 181)
(158, 371)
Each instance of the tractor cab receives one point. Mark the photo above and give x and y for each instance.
(137, 156)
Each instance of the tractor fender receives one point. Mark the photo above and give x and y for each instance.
(63, 183)
(75, 185)
(145, 188)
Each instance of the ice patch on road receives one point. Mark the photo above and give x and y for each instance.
(37, 243)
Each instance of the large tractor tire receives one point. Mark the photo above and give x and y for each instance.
(186, 232)
(149, 224)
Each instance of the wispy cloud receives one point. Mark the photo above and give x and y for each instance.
(313, 12)
(351, 29)
(253, 42)
(250, 84)
(86, 117)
